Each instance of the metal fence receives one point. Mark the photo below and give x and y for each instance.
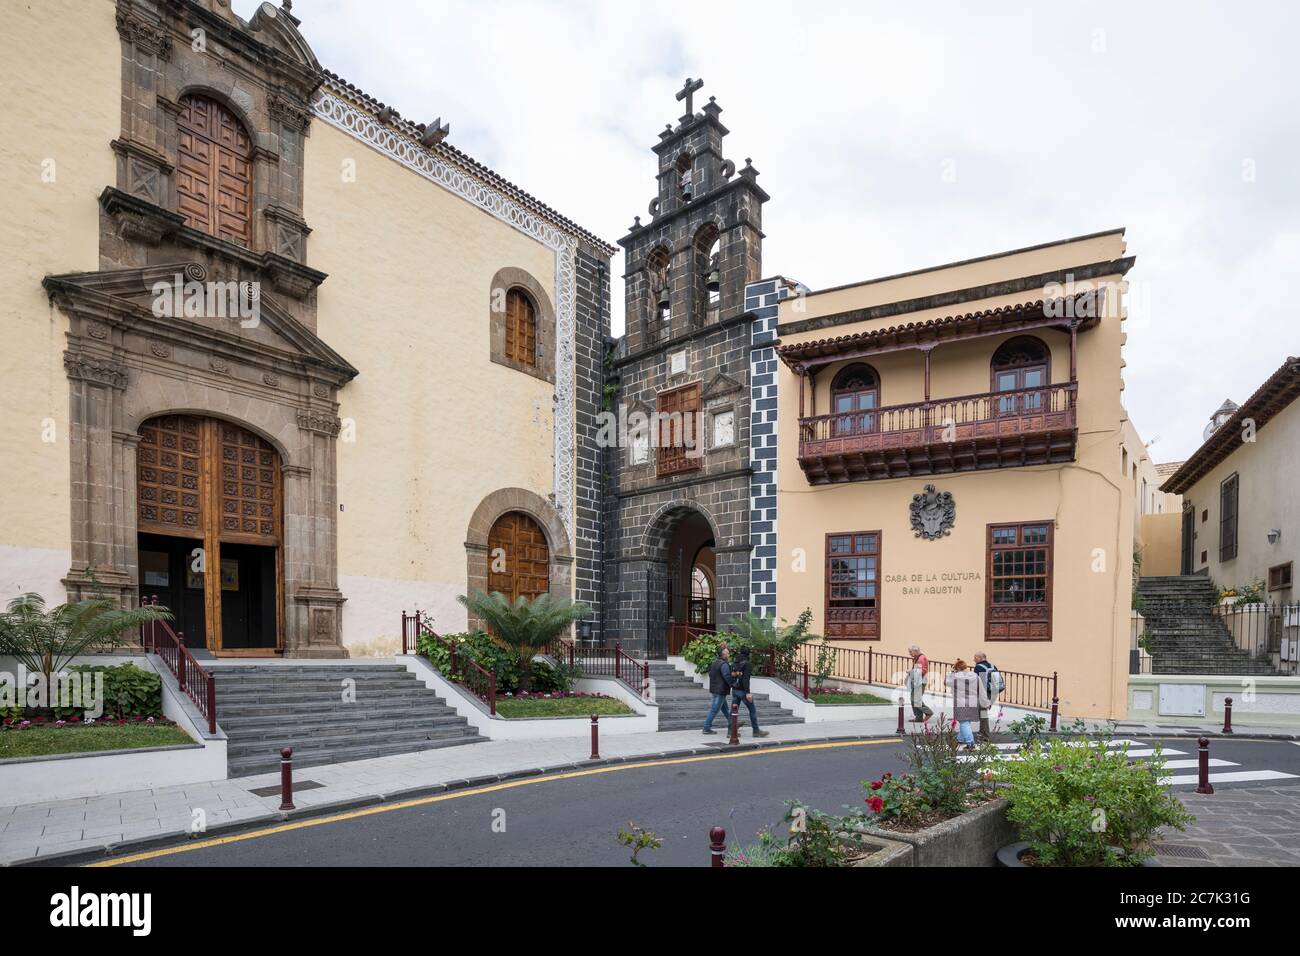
(1218, 638)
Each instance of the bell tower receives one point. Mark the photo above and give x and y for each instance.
(677, 540)
(687, 267)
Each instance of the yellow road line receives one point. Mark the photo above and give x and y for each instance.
(475, 791)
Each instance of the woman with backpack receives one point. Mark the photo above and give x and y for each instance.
(993, 682)
(968, 698)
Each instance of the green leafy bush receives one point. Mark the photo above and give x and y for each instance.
(1077, 802)
(524, 626)
(477, 647)
(549, 678)
(814, 839)
(945, 780)
(129, 691)
(761, 635)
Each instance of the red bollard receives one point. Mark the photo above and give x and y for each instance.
(718, 847)
(286, 778)
(735, 723)
(1203, 784)
(901, 728)
(595, 737)
(1227, 715)
(1055, 701)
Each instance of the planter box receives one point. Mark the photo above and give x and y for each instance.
(886, 853)
(972, 839)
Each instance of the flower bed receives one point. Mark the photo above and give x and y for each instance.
(38, 737)
(558, 704)
(833, 696)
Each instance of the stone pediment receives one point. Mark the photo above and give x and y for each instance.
(182, 303)
(720, 385)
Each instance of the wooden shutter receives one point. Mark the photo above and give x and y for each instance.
(214, 170)
(519, 560)
(521, 328)
(248, 489)
(1228, 518)
(679, 425)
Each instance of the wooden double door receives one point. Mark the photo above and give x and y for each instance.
(209, 500)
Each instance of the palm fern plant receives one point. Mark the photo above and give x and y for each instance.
(525, 627)
(46, 640)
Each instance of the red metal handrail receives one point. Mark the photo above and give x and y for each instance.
(869, 666)
(480, 681)
(197, 682)
(679, 635)
(602, 662)
(936, 414)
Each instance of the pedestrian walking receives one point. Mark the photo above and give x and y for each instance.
(994, 683)
(967, 698)
(719, 685)
(740, 692)
(914, 682)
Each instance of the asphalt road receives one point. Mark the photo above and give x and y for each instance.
(572, 820)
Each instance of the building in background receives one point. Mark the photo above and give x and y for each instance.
(1241, 514)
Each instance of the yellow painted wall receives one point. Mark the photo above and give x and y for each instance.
(61, 109)
(1161, 536)
(438, 426)
(1090, 501)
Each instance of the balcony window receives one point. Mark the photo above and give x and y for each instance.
(1020, 365)
(855, 395)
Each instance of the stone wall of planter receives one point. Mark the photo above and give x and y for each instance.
(972, 839)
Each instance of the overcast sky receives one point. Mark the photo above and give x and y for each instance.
(1179, 121)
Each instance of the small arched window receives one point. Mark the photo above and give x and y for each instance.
(855, 395)
(701, 610)
(521, 328)
(214, 170)
(685, 187)
(707, 276)
(660, 291)
(1019, 366)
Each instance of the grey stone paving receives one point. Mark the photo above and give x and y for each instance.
(1259, 826)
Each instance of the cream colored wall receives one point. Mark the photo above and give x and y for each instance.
(1091, 503)
(1266, 499)
(438, 426)
(61, 109)
(1161, 536)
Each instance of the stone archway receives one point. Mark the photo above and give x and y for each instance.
(538, 510)
(671, 546)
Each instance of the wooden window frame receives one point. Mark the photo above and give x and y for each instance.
(1018, 405)
(1229, 517)
(1275, 583)
(1032, 622)
(671, 459)
(865, 420)
(852, 623)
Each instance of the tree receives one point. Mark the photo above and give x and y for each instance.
(47, 640)
(525, 627)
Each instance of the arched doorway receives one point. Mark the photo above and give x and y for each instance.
(681, 597)
(209, 521)
(519, 561)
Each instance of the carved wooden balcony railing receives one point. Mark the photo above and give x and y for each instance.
(973, 432)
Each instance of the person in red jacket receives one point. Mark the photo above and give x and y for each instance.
(916, 683)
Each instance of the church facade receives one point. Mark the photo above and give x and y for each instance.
(251, 315)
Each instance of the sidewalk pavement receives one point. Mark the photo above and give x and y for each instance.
(1259, 826)
(137, 818)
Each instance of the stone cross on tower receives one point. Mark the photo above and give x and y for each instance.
(687, 93)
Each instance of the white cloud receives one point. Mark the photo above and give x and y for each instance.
(1061, 119)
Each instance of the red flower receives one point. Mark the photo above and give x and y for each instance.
(888, 776)
(876, 804)
(877, 784)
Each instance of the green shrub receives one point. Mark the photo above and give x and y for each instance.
(761, 635)
(1076, 802)
(129, 691)
(945, 780)
(549, 678)
(814, 839)
(477, 647)
(704, 649)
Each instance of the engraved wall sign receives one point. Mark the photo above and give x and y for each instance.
(933, 513)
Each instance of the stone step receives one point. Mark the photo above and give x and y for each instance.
(343, 736)
(248, 766)
(271, 727)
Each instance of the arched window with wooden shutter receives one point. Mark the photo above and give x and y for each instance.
(521, 328)
(214, 170)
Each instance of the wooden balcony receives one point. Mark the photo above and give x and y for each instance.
(969, 433)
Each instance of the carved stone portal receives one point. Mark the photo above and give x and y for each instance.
(933, 513)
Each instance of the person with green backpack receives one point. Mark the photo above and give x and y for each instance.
(994, 684)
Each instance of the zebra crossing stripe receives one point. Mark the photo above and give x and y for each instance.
(1195, 762)
(1236, 776)
(1005, 757)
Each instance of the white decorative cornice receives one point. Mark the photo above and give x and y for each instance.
(334, 108)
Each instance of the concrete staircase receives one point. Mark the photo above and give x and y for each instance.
(264, 707)
(1184, 636)
(683, 704)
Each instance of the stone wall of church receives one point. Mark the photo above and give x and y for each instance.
(590, 335)
(54, 149)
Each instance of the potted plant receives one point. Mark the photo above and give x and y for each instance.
(1080, 802)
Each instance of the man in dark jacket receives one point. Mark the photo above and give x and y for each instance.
(719, 686)
(740, 675)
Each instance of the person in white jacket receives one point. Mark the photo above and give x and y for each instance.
(968, 697)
